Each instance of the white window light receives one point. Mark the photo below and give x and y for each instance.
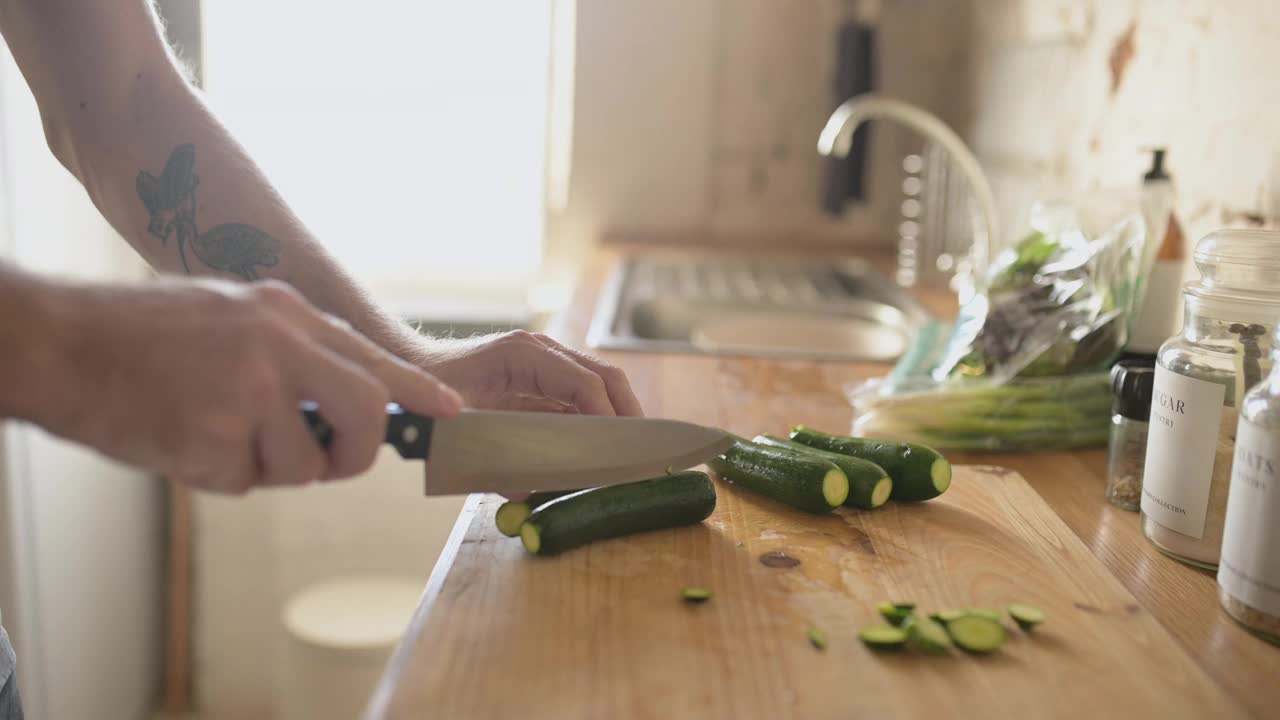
(410, 137)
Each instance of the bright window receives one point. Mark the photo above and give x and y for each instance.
(409, 136)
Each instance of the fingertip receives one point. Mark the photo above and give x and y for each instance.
(451, 399)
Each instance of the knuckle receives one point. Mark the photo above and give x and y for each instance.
(277, 294)
(519, 336)
(594, 383)
(339, 324)
(612, 373)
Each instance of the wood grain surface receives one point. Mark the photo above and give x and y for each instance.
(1204, 659)
(602, 632)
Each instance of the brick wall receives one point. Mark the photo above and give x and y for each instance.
(1061, 95)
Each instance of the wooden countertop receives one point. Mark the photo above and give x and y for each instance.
(748, 396)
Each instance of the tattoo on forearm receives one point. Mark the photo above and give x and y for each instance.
(171, 200)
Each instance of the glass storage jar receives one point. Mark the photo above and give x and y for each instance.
(1249, 571)
(1200, 381)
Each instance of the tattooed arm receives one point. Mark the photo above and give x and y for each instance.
(119, 114)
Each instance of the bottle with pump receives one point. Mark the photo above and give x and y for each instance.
(1159, 316)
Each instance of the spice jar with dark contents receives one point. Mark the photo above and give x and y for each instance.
(1131, 382)
(1200, 379)
(1249, 571)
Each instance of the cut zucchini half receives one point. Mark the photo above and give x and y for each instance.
(919, 472)
(883, 636)
(669, 501)
(801, 480)
(835, 487)
(869, 485)
(1027, 616)
(881, 492)
(510, 516)
(976, 634)
(531, 537)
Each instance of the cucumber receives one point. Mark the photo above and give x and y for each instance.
(869, 484)
(798, 479)
(918, 472)
(512, 514)
(682, 498)
(1027, 616)
(976, 634)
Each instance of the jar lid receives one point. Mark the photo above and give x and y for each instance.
(1246, 260)
(1131, 384)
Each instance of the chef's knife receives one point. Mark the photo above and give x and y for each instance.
(513, 452)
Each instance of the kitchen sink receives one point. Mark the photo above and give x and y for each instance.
(755, 305)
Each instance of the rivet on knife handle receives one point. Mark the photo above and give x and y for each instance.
(408, 433)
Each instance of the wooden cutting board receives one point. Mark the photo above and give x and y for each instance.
(601, 632)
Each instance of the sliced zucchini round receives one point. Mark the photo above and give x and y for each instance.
(976, 634)
(1027, 616)
(883, 636)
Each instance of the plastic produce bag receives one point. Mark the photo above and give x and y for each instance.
(1025, 365)
(1056, 303)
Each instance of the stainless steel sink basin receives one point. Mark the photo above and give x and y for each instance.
(754, 305)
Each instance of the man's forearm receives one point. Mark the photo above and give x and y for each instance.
(26, 354)
(200, 206)
(170, 178)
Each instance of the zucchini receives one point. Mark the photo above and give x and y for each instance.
(695, 594)
(926, 635)
(947, 616)
(682, 498)
(512, 514)
(919, 472)
(883, 636)
(976, 634)
(985, 613)
(798, 479)
(817, 637)
(869, 484)
(894, 613)
(1027, 616)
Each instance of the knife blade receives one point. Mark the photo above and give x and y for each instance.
(511, 452)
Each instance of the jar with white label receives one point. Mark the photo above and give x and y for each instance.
(1200, 381)
(1249, 571)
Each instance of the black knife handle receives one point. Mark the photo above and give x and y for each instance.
(408, 433)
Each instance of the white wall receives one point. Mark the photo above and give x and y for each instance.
(701, 117)
(252, 553)
(82, 536)
(1043, 115)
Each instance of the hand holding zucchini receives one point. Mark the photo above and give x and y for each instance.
(918, 472)
(682, 498)
(801, 480)
(869, 485)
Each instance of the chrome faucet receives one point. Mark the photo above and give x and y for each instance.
(836, 140)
